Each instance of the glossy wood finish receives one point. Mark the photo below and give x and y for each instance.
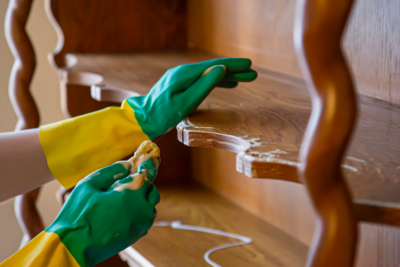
(23, 103)
(194, 205)
(319, 26)
(262, 30)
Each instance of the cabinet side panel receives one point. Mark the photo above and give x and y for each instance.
(262, 30)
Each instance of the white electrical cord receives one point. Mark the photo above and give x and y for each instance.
(179, 225)
(139, 259)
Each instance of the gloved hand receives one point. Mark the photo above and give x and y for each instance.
(71, 146)
(101, 217)
(182, 89)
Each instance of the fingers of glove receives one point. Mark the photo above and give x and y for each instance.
(199, 90)
(147, 171)
(232, 64)
(104, 178)
(144, 190)
(243, 76)
(227, 84)
(150, 168)
(153, 196)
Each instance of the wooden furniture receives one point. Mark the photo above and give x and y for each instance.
(23, 104)
(105, 54)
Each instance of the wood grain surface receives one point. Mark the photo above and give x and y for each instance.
(116, 26)
(262, 30)
(195, 205)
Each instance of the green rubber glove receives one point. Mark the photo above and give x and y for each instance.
(182, 89)
(118, 132)
(102, 217)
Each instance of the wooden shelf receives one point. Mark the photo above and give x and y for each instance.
(193, 204)
(263, 122)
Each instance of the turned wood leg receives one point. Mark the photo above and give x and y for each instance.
(28, 216)
(318, 33)
(23, 103)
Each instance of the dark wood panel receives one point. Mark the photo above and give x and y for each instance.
(116, 26)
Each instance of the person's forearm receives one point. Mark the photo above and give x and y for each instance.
(23, 165)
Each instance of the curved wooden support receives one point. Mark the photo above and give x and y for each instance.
(318, 33)
(28, 216)
(24, 64)
(23, 103)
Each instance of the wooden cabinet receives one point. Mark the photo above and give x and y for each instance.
(257, 164)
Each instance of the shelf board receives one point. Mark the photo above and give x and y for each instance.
(262, 121)
(195, 205)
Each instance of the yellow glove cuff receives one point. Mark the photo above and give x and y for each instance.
(44, 250)
(81, 145)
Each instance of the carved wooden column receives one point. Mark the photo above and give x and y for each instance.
(318, 33)
(23, 103)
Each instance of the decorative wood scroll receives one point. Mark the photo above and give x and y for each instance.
(319, 27)
(23, 103)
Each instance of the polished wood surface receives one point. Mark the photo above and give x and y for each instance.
(318, 31)
(274, 109)
(116, 26)
(262, 30)
(23, 103)
(195, 205)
